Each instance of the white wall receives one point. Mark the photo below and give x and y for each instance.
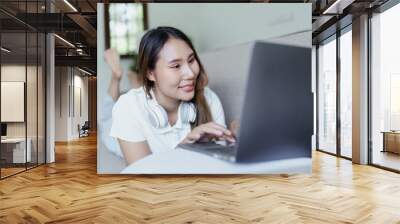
(80, 83)
(15, 72)
(218, 25)
(61, 103)
(33, 126)
(67, 81)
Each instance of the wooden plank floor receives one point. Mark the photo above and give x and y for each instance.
(70, 191)
(10, 171)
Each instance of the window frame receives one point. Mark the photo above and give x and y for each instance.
(333, 36)
(371, 14)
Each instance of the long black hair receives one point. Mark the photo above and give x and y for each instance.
(149, 48)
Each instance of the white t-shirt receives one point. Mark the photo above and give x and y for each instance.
(130, 121)
(105, 126)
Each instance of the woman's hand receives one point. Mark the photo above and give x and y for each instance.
(234, 128)
(209, 131)
(112, 58)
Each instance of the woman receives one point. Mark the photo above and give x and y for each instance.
(174, 105)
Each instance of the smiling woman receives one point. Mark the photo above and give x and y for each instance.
(173, 106)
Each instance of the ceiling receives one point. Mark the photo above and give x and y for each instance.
(72, 20)
(331, 15)
(76, 22)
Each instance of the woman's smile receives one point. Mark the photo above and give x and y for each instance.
(187, 87)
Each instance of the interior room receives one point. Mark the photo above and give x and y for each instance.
(385, 90)
(22, 96)
(28, 56)
(50, 95)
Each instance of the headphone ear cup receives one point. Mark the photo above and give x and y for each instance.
(162, 116)
(192, 113)
(157, 115)
(188, 112)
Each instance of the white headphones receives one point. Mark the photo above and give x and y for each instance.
(159, 118)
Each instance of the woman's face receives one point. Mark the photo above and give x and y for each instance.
(176, 70)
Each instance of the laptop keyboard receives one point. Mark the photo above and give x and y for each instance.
(225, 152)
(213, 146)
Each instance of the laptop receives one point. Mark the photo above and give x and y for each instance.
(276, 121)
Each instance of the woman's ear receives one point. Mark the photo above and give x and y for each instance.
(151, 76)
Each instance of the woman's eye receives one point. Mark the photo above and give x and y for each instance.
(191, 60)
(175, 66)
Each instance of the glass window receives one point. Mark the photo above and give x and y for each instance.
(22, 93)
(126, 24)
(346, 94)
(31, 100)
(14, 151)
(327, 96)
(385, 88)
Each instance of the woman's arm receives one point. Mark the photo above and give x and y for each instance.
(113, 88)
(112, 58)
(134, 151)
